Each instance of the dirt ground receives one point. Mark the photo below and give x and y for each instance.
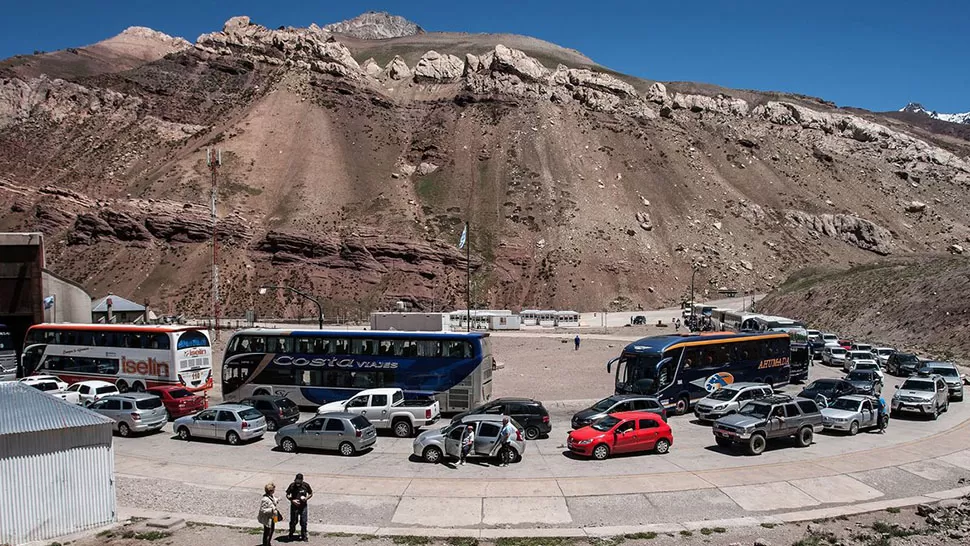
(944, 524)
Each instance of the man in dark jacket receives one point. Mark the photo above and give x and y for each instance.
(299, 492)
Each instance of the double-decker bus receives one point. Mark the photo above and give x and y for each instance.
(132, 357)
(8, 355)
(801, 346)
(681, 369)
(312, 367)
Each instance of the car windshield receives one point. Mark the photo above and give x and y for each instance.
(866, 366)
(44, 385)
(945, 372)
(859, 376)
(820, 385)
(360, 422)
(180, 393)
(918, 385)
(845, 404)
(904, 358)
(605, 404)
(250, 414)
(149, 403)
(756, 410)
(723, 395)
(605, 423)
(838, 351)
(106, 389)
(285, 403)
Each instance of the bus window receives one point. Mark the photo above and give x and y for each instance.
(385, 347)
(717, 356)
(302, 345)
(276, 375)
(429, 348)
(693, 358)
(322, 346)
(458, 349)
(778, 348)
(341, 346)
(665, 375)
(192, 339)
(363, 347)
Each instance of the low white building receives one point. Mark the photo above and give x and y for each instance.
(485, 319)
(567, 319)
(411, 322)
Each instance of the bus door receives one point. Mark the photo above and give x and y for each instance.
(30, 360)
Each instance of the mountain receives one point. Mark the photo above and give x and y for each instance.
(350, 165)
(375, 26)
(917, 108)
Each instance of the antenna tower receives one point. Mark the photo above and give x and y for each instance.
(213, 158)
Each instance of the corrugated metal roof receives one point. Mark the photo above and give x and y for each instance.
(118, 305)
(26, 409)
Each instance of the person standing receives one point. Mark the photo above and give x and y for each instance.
(467, 442)
(883, 417)
(505, 440)
(299, 492)
(269, 513)
(577, 341)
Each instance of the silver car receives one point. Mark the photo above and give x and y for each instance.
(729, 399)
(834, 356)
(133, 412)
(230, 422)
(948, 371)
(436, 445)
(924, 394)
(851, 414)
(344, 432)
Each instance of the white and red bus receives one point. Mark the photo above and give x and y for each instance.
(130, 356)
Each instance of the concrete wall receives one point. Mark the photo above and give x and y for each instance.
(71, 302)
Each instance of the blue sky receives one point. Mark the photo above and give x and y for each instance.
(872, 54)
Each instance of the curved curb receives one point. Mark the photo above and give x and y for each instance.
(125, 513)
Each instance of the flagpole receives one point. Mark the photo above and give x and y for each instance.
(468, 280)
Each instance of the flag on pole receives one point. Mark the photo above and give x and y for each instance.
(48, 302)
(464, 237)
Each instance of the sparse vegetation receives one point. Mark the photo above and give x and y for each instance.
(462, 541)
(893, 510)
(686, 533)
(411, 540)
(646, 535)
(768, 525)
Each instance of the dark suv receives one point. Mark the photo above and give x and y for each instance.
(616, 404)
(778, 416)
(529, 413)
(903, 364)
(279, 411)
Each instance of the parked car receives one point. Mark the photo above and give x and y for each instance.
(31, 379)
(437, 445)
(92, 391)
(822, 391)
(949, 372)
(529, 413)
(865, 381)
(346, 433)
(53, 388)
(926, 395)
(846, 344)
(778, 416)
(133, 412)
(852, 356)
(729, 399)
(883, 354)
(834, 356)
(831, 340)
(903, 364)
(278, 411)
(387, 408)
(861, 347)
(817, 343)
(178, 401)
(616, 404)
(851, 414)
(233, 423)
(625, 432)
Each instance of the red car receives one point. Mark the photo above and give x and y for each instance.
(178, 401)
(846, 344)
(624, 432)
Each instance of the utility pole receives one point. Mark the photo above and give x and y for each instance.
(214, 160)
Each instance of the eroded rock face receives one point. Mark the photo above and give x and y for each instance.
(61, 100)
(658, 93)
(375, 26)
(140, 227)
(513, 61)
(851, 229)
(433, 67)
(397, 69)
(702, 103)
(601, 82)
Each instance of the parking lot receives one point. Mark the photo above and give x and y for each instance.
(551, 487)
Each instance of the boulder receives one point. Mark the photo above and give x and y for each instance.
(336, 52)
(513, 61)
(915, 206)
(702, 103)
(658, 93)
(956, 249)
(397, 69)
(596, 100)
(473, 63)
(604, 83)
(371, 68)
(433, 67)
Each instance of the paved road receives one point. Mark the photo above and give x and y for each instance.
(551, 488)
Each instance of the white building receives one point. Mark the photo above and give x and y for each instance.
(411, 322)
(56, 467)
(485, 319)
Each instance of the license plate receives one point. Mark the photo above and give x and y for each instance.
(196, 375)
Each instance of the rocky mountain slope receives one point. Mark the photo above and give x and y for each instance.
(917, 108)
(916, 302)
(350, 165)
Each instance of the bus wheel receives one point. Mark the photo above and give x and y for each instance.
(770, 381)
(122, 386)
(138, 387)
(682, 405)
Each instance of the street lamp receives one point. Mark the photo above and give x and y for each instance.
(693, 272)
(264, 289)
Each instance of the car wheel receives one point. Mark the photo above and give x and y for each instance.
(347, 449)
(403, 429)
(184, 434)
(432, 455)
(531, 433)
(722, 442)
(682, 405)
(854, 428)
(124, 430)
(601, 452)
(805, 436)
(757, 444)
(271, 425)
(288, 445)
(232, 438)
(662, 447)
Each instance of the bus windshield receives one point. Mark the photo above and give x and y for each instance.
(637, 373)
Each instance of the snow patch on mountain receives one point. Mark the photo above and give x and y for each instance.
(917, 108)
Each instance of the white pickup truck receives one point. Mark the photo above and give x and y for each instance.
(386, 408)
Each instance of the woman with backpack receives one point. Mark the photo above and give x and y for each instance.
(269, 513)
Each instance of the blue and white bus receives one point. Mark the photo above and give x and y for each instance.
(313, 367)
(681, 369)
